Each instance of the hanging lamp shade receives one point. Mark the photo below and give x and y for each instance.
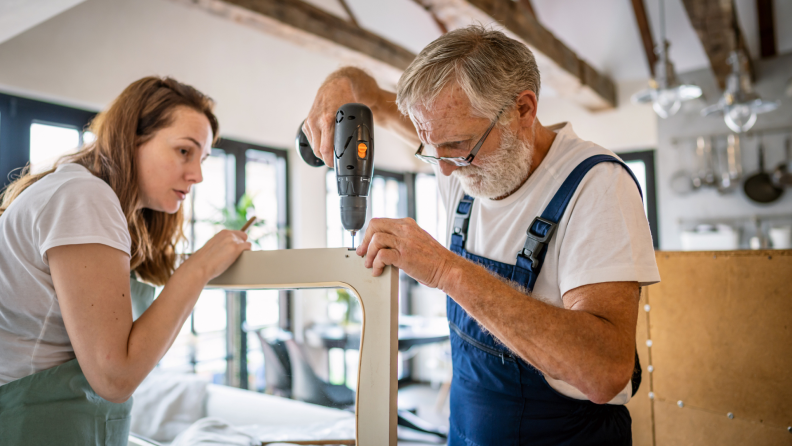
(664, 92)
(739, 103)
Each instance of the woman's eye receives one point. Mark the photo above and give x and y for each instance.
(184, 151)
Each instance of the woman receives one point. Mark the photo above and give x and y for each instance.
(70, 352)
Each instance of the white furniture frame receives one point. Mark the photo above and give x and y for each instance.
(375, 410)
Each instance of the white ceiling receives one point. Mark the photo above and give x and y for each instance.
(17, 16)
(602, 32)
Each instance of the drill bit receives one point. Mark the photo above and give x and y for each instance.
(353, 239)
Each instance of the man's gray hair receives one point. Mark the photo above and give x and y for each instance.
(491, 68)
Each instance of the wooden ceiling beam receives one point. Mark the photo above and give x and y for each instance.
(767, 34)
(528, 6)
(315, 29)
(646, 34)
(715, 22)
(562, 70)
(348, 10)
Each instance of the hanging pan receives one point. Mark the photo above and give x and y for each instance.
(759, 187)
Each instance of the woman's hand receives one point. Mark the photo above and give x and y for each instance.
(218, 253)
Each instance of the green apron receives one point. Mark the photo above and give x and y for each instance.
(57, 406)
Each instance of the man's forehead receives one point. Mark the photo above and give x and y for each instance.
(451, 104)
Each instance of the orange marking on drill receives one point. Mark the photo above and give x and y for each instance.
(362, 149)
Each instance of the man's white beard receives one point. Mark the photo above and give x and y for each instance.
(501, 171)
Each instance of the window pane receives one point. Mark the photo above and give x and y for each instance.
(262, 308)
(210, 311)
(639, 170)
(88, 137)
(261, 185)
(211, 198)
(50, 142)
(429, 211)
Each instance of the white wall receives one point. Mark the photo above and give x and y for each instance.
(627, 127)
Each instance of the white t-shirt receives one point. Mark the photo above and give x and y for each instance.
(602, 237)
(67, 207)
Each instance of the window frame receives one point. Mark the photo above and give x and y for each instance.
(650, 194)
(236, 301)
(17, 114)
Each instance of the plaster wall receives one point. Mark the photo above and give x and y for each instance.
(628, 127)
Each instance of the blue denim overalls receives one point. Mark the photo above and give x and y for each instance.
(497, 398)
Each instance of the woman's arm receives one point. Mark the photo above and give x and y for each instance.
(92, 285)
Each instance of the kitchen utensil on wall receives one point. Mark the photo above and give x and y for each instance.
(734, 157)
(782, 175)
(759, 187)
(706, 173)
(728, 165)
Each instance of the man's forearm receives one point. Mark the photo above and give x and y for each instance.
(577, 347)
(382, 102)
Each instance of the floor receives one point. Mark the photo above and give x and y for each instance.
(422, 399)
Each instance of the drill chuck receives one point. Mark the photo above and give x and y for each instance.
(353, 212)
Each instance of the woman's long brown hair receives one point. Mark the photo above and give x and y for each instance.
(142, 109)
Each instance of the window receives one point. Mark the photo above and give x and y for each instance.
(38, 132)
(392, 195)
(642, 166)
(50, 142)
(222, 324)
(429, 211)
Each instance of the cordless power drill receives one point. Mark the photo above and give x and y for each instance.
(353, 147)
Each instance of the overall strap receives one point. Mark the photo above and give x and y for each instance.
(541, 230)
(461, 222)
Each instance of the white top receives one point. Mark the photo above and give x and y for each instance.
(603, 236)
(67, 207)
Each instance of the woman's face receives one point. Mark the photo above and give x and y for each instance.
(169, 163)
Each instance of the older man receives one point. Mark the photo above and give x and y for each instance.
(538, 358)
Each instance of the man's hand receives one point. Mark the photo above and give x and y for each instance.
(342, 87)
(402, 243)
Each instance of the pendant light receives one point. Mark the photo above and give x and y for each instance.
(739, 103)
(664, 92)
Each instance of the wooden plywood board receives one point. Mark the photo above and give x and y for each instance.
(693, 427)
(640, 406)
(341, 268)
(721, 331)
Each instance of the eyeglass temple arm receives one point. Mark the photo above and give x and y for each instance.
(475, 150)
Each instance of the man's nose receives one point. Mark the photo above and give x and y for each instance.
(447, 168)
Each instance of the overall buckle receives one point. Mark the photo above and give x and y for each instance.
(461, 221)
(534, 243)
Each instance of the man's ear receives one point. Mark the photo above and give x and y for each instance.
(527, 107)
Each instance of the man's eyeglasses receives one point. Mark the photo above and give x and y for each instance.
(458, 160)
